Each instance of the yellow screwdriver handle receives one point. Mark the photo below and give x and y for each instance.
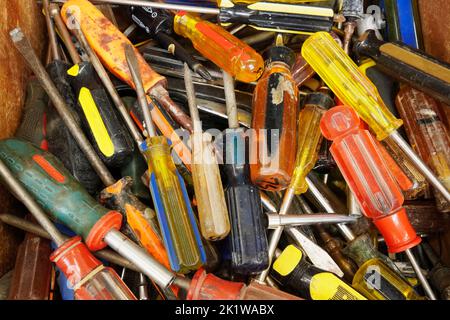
(309, 138)
(176, 219)
(350, 85)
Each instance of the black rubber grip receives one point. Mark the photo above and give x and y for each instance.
(248, 238)
(86, 80)
(60, 140)
(275, 20)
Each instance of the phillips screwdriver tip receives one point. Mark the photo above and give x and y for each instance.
(202, 71)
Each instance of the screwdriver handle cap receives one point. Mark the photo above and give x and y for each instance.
(339, 121)
(397, 231)
(111, 220)
(206, 286)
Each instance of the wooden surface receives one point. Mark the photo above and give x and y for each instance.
(435, 19)
(13, 76)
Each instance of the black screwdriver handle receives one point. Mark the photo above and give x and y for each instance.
(152, 20)
(100, 119)
(248, 239)
(60, 141)
(159, 25)
(412, 66)
(275, 21)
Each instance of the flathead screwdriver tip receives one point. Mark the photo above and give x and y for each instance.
(202, 71)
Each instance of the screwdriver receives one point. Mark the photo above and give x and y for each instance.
(99, 119)
(248, 239)
(387, 90)
(309, 138)
(89, 278)
(68, 202)
(341, 74)
(159, 25)
(137, 214)
(104, 254)
(140, 219)
(318, 256)
(221, 47)
(261, 15)
(173, 208)
(274, 121)
(60, 140)
(369, 179)
(423, 117)
(118, 240)
(108, 43)
(212, 209)
(372, 264)
(293, 272)
(407, 64)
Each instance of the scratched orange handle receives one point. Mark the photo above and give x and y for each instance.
(108, 42)
(146, 235)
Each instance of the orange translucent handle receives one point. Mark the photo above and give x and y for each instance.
(368, 177)
(361, 163)
(221, 47)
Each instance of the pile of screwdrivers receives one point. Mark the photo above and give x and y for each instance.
(238, 150)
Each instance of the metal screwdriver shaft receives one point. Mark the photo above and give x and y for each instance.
(23, 195)
(23, 45)
(423, 281)
(135, 74)
(211, 206)
(106, 80)
(345, 230)
(354, 89)
(31, 227)
(420, 165)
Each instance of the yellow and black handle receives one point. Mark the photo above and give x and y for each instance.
(279, 17)
(60, 140)
(99, 117)
(386, 86)
(404, 63)
(296, 275)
